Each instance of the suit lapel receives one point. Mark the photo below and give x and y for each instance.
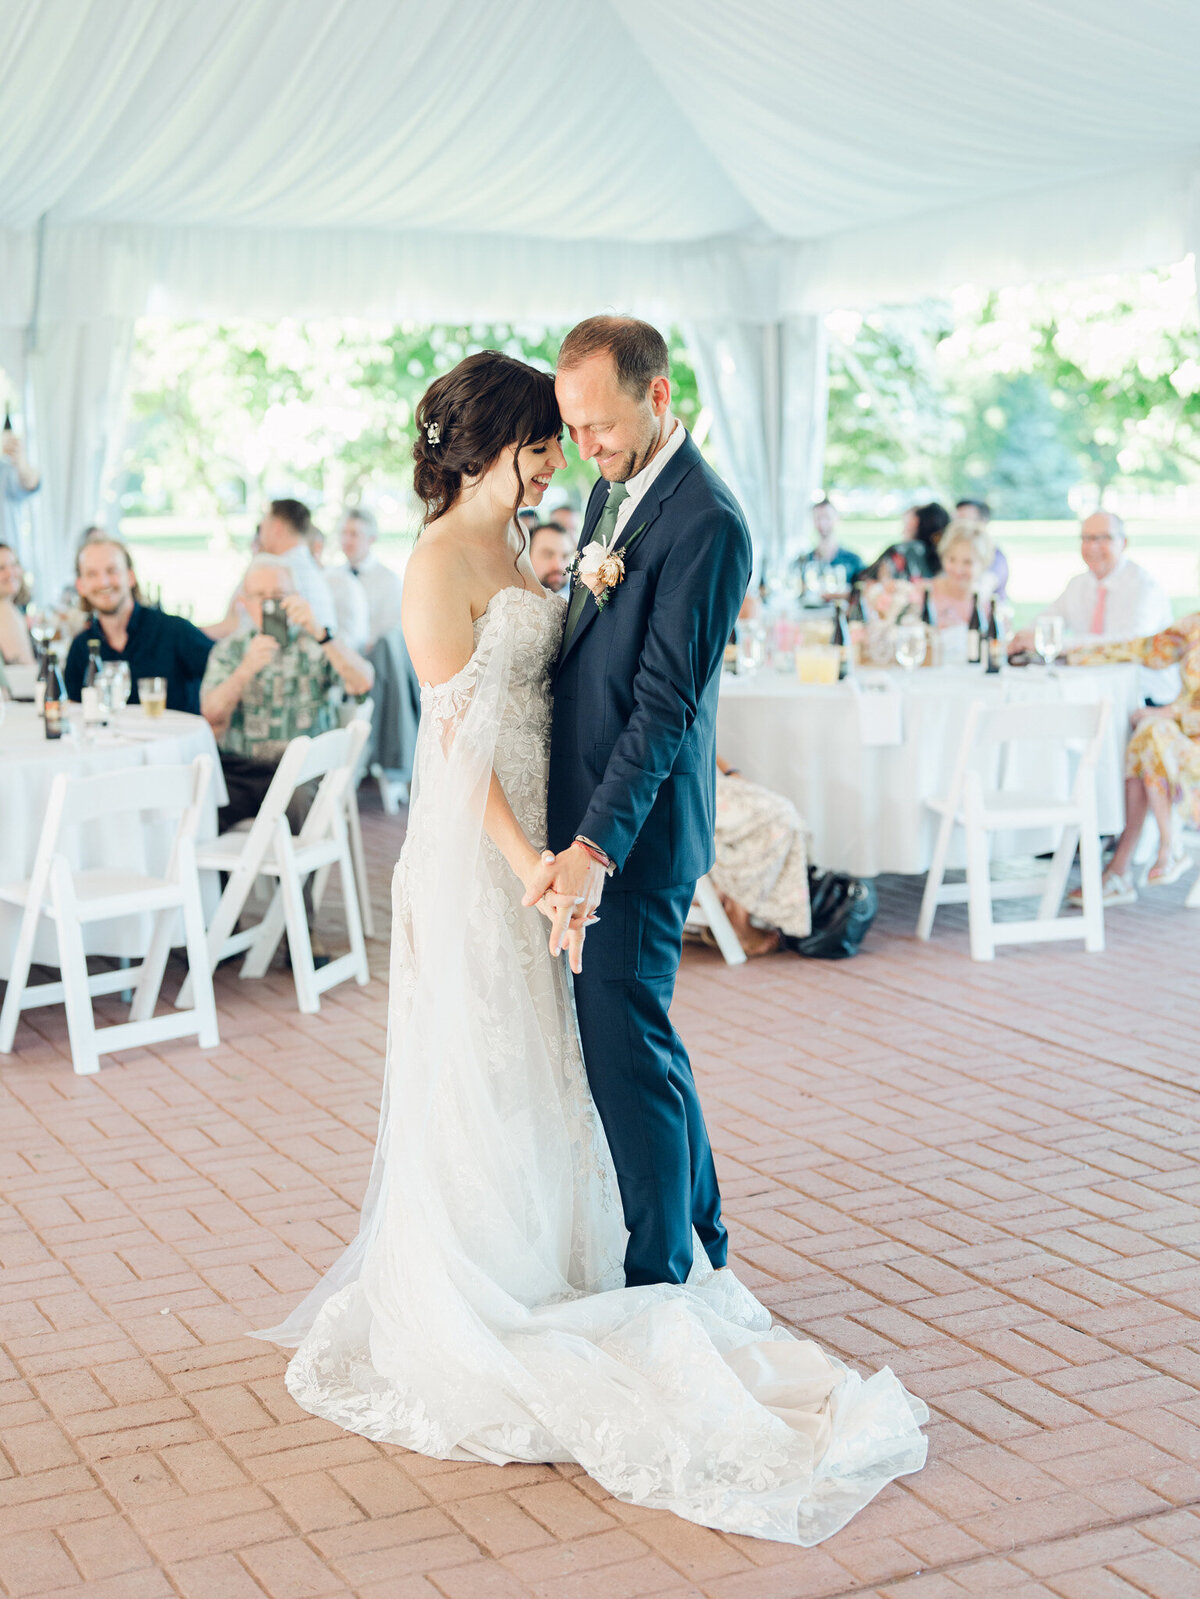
(645, 514)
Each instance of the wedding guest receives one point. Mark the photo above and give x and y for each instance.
(529, 518)
(915, 553)
(283, 533)
(154, 643)
(761, 868)
(258, 695)
(1113, 600)
(827, 551)
(16, 647)
(383, 587)
(1162, 760)
(353, 622)
(567, 518)
(551, 549)
(981, 512)
(964, 553)
(18, 480)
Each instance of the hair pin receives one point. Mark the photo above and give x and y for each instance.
(433, 433)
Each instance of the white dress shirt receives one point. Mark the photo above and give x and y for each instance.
(1136, 606)
(311, 585)
(641, 481)
(350, 603)
(383, 589)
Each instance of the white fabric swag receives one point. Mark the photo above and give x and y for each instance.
(717, 162)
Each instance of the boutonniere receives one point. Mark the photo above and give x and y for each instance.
(600, 566)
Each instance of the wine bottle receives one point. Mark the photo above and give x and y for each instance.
(45, 661)
(54, 708)
(841, 642)
(933, 638)
(995, 643)
(8, 427)
(975, 633)
(89, 695)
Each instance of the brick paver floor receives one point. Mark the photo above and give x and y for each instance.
(984, 1176)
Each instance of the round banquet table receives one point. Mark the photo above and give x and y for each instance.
(29, 763)
(860, 758)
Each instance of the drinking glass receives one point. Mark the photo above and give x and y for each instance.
(120, 685)
(152, 692)
(752, 647)
(911, 644)
(1048, 638)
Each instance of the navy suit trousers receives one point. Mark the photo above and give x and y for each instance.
(641, 1081)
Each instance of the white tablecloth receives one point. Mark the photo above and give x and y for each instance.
(860, 758)
(29, 763)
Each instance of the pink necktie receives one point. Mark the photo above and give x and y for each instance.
(1098, 611)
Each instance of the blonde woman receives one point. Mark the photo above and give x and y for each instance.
(16, 648)
(965, 552)
(1162, 759)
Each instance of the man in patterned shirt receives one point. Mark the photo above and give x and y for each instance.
(258, 694)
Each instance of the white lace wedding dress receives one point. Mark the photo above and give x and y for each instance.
(480, 1313)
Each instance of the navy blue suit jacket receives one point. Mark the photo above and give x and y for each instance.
(633, 747)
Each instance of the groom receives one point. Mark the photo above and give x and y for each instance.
(632, 769)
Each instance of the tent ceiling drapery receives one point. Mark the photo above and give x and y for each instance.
(712, 160)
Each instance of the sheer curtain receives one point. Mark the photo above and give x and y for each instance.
(766, 384)
(76, 386)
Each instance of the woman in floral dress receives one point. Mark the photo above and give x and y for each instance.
(1162, 761)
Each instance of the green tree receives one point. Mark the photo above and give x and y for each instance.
(224, 415)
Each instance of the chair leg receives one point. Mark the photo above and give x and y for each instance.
(154, 964)
(320, 884)
(719, 924)
(270, 930)
(935, 877)
(81, 1024)
(359, 857)
(1056, 877)
(10, 1014)
(979, 890)
(199, 969)
(387, 794)
(299, 945)
(1089, 878)
(354, 926)
(229, 908)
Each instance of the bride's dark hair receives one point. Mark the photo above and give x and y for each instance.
(466, 418)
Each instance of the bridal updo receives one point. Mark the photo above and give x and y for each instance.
(468, 417)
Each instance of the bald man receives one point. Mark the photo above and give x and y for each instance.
(1114, 599)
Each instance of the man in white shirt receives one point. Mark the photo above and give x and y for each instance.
(1115, 599)
(284, 532)
(382, 587)
(349, 596)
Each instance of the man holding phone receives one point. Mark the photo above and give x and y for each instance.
(263, 688)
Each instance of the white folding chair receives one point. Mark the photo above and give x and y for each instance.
(980, 805)
(269, 849)
(707, 911)
(353, 711)
(1190, 841)
(70, 899)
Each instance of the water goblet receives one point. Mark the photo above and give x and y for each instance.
(1048, 638)
(911, 644)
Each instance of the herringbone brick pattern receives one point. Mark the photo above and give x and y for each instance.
(984, 1176)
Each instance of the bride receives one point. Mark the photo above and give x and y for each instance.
(481, 1312)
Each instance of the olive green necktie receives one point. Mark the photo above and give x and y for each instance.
(617, 495)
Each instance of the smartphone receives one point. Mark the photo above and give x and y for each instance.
(274, 621)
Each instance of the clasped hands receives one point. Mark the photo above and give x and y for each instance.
(566, 888)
